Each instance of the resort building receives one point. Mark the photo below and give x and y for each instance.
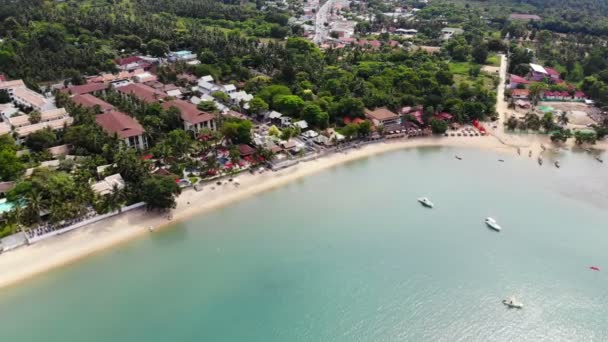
(382, 116)
(125, 127)
(106, 185)
(90, 101)
(132, 63)
(520, 94)
(55, 119)
(141, 92)
(90, 88)
(194, 119)
(539, 73)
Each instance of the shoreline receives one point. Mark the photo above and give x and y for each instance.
(27, 262)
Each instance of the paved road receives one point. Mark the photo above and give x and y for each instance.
(321, 32)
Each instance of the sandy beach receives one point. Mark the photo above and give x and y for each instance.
(28, 261)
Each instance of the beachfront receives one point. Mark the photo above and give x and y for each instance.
(25, 262)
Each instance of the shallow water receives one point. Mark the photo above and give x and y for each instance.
(349, 255)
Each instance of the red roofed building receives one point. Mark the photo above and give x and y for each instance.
(553, 74)
(520, 94)
(142, 92)
(86, 89)
(90, 101)
(125, 127)
(194, 119)
(444, 116)
(132, 63)
(515, 80)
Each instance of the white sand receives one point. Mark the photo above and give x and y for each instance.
(28, 261)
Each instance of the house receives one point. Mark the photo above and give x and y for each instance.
(229, 88)
(537, 72)
(579, 96)
(302, 124)
(526, 17)
(125, 127)
(515, 81)
(88, 88)
(187, 78)
(406, 32)
(207, 78)
(106, 185)
(449, 32)
(523, 104)
(144, 77)
(246, 150)
(520, 94)
(141, 92)
(194, 119)
(5, 128)
(382, 116)
(132, 63)
(374, 44)
(553, 74)
(10, 86)
(90, 101)
(59, 151)
(310, 134)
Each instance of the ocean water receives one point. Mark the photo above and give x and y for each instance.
(349, 255)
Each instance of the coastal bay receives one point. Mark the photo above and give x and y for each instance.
(373, 265)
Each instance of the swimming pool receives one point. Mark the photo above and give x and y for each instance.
(5, 206)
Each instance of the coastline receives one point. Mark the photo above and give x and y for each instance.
(27, 262)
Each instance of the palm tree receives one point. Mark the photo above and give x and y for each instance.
(563, 118)
(34, 205)
(116, 198)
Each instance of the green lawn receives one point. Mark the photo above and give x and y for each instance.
(493, 60)
(460, 68)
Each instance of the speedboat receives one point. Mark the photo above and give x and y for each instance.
(426, 202)
(511, 302)
(492, 224)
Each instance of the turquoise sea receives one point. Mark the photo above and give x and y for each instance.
(349, 255)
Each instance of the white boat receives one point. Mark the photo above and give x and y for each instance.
(426, 202)
(513, 303)
(492, 224)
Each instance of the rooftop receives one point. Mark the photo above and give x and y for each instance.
(89, 101)
(119, 123)
(85, 88)
(30, 97)
(520, 16)
(381, 114)
(189, 112)
(538, 68)
(12, 84)
(142, 92)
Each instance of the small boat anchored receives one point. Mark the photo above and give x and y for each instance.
(540, 160)
(599, 159)
(458, 157)
(519, 151)
(557, 165)
(490, 222)
(530, 154)
(511, 302)
(426, 202)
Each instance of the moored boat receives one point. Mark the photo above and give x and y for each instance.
(426, 202)
(540, 160)
(557, 165)
(511, 302)
(490, 222)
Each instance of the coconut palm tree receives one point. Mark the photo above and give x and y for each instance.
(563, 118)
(34, 205)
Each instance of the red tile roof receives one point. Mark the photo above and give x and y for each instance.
(520, 92)
(128, 60)
(142, 92)
(189, 112)
(518, 79)
(85, 88)
(246, 150)
(119, 123)
(552, 71)
(89, 101)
